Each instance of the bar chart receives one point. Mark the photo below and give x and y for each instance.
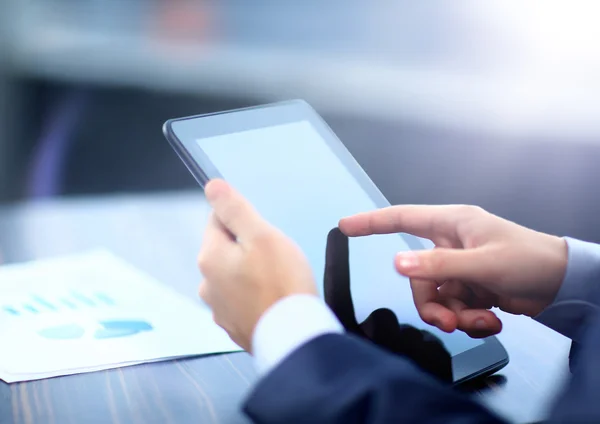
(91, 311)
(75, 300)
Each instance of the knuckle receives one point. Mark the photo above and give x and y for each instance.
(478, 210)
(466, 216)
(202, 261)
(202, 291)
(470, 210)
(263, 239)
(422, 315)
(221, 322)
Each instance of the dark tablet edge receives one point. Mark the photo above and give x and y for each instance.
(480, 361)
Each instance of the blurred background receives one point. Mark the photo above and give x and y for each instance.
(493, 103)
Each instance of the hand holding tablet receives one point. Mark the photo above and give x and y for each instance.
(481, 262)
(248, 264)
(288, 164)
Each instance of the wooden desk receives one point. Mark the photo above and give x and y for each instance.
(161, 235)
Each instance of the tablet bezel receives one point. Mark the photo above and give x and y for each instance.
(182, 134)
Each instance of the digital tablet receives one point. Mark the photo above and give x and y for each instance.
(290, 165)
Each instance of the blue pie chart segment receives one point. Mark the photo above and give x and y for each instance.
(63, 332)
(134, 325)
(108, 333)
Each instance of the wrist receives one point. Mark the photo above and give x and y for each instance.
(557, 252)
(272, 305)
(288, 324)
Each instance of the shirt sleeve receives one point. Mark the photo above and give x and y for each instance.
(287, 325)
(578, 298)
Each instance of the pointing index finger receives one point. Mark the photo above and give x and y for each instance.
(421, 221)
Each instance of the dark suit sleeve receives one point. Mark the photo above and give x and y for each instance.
(341, 379)
(579, 401)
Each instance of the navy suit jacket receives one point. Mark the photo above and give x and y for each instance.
(339, 378)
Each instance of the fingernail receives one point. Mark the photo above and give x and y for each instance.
(407, 260)
(480, 323)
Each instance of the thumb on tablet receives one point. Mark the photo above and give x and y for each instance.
(232, 210)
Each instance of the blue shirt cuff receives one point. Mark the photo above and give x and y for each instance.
(578, 297)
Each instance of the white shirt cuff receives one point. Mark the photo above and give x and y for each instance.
(287, 325)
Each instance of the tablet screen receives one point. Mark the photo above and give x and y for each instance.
(295, 180)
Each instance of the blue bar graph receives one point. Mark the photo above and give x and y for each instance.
(69, 304)
(83, 299)
(105, 298)
(74, 301)
(40, 300)
(30, 308)
(11, 311)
